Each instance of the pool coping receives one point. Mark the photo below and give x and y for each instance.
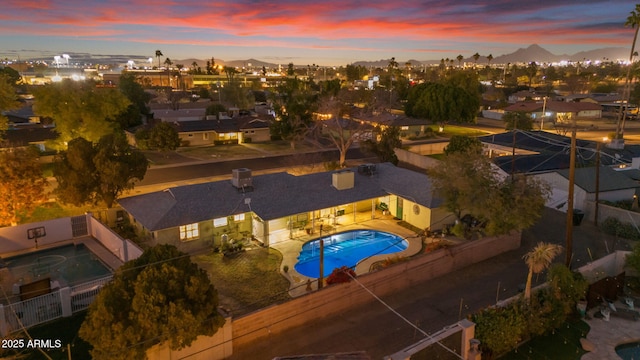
(290, 250)
(606, 335)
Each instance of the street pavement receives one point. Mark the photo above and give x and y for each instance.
(433, 304)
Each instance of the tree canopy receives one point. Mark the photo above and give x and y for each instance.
(294, 105)
(469, 184)
(80, 109)
(159, 297)
(98, 172)
(8, 99)
(384, 148)
(442, 103)
(461, 143)
(518, 120)
(23, 186)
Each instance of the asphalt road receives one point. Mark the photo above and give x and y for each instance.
(203, 169)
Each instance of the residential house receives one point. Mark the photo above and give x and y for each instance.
(612, 186)
(409, 127)
(236, 130)
(557, 111)
(276, 207)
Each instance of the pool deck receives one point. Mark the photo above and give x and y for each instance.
(7, 282)
(606, 335)
(290, 250)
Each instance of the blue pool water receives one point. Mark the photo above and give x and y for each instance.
(68, 264)
(346, 249)
(630, 351)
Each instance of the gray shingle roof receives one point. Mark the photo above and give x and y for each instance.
(610, 179)
(273, 196)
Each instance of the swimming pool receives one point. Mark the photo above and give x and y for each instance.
(69, 265)
(629, 351)
(346, 249)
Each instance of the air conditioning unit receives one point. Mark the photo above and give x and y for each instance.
(343, 180)
(241, 178)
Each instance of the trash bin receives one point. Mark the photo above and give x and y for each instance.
(578, 215)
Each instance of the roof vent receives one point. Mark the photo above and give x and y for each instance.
(241, 179)
(343, 180)
(367, 169)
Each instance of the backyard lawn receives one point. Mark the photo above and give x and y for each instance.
(563, 343)
(246, 281)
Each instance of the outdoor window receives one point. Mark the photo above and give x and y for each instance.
(220, 222)
(239, 217)
(189, 232)
(404, 128)
(205, 136)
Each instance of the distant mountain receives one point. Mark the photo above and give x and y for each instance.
(541, 55)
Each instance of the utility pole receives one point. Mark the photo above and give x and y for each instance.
(321, 275)
(572, 173)
(595, 214)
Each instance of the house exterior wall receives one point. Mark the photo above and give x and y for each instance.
(590, 114)
(255, 135)
(197, 138)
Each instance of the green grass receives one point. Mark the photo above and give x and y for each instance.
(53, 210)
(65, 330)
(450, 130)
(562, 344)
(247, 281)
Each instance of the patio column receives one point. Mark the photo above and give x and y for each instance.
(355, 209)
(373, 209)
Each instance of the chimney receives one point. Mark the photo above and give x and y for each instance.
(343, 180)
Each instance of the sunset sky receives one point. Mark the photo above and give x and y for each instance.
(331, 32)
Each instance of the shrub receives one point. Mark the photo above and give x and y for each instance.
(616, 227)
(285, 268)
(339, 275)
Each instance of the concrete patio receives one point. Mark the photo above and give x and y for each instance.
(290, 250)
(606, 335)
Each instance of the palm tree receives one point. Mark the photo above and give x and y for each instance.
(158, 55)
(489, 58)
(476, 56)
(538, 259)
(168, 62)
(459, 57)
(634, 21)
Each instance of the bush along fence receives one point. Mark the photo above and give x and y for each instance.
(502, 329)
(627, 230)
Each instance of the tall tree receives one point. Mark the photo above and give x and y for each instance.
(460, 58)
(476, 56)
(468, 184)
(384, 148)
(158, 56)
(162, 296)
(517, 120)
(164, 137)
(98, 173)
(442, 103)
(168, 62)
(80, 109)
(339, 129)
(23, 186)
(8, 100)
(633, 20)
(489, 58)
(537, 260)
(294, 105)
(463, 144)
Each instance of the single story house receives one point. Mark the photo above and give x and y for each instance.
(236, 130)
(558, 111)
(26, 135)
(612, 186)
(276, 207)
(409, 127)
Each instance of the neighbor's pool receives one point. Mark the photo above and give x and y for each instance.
(629, 351)
(346, 249)
(68, 264)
